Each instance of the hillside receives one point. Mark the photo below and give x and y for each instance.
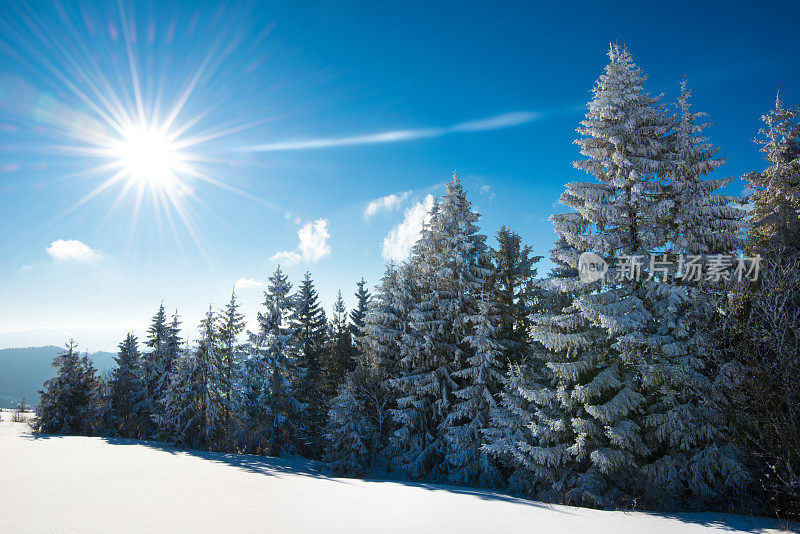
(78, 484)
(23, 370)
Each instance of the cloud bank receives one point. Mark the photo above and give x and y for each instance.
(72, 250)
(398, 243)
(313, 245)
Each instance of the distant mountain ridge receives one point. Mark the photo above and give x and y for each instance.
(23, 370)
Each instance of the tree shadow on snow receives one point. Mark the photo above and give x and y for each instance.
(719, 521)
(730, 522)
(262, 465)
(483, 494)
(293, 465)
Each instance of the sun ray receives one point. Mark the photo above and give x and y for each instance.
(94, 192)
(178, 107)
(142, 130)
(137, 90)
(117, 201)
(228, 187)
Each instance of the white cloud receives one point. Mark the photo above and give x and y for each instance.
(387, 203)
(313, 244)
(72, 250)
(505, 120)
(314, 240)
(247, 283)
(287, 257)
(398, 243)
(486, 190)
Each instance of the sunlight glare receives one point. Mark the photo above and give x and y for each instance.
(148, 156)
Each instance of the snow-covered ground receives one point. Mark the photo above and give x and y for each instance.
(76, 484)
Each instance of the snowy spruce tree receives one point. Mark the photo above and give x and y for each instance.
(191, 408)
(178, 420)
(349, 432)
(359, 313)
(228, 360)
(309, 328)
(251, 434)
(338, 356)
(517, 294)
(68, 403)
(166, 344)
(206, 394)
(436, 347)
(154, 365)
(475, 401)
(128, 391)
(384, 324)
(775, 226)
(691, 461)
(623, 361)
(695, 220)
(590, 448)
(530, 431)
(379, 355)
(509, 438)
(275, 420)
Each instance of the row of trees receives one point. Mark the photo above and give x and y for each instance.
(262, 392)
(466, 367)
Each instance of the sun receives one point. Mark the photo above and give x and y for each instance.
(148, 156)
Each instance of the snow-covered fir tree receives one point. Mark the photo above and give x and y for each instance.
(154, 365)
(251, 432)
(480, 379)
(228, 354)
(168, 350)
(128, 391)
(379, 354)
(384, 323)
(691, 460)
(359, 313)
(349, 431)
(775, 226)
(338, 356)
(98, 395)
(207, 396)
(68, 402)
(695, 220)
(309, 328)
(191, 408)
(514, 275)
(623, 361)
(508, 437)
(597, 342)
(530, 430)
(449, 280)
(179, 420)
(273, 414)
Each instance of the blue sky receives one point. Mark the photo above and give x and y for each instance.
(299, 117)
